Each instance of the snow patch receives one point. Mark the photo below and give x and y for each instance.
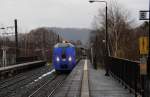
(39, 78)
(46, 74)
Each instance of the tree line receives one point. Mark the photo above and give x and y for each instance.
(37, 43)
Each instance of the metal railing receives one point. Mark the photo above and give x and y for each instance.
(128, 73)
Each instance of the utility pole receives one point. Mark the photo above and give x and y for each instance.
(148, 62)
(145, 73)
(107, 55)
(16, 38)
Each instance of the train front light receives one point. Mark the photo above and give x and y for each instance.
(70, 59)
(57, 59)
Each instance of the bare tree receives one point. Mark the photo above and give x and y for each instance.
(118, 26)
(123, 38)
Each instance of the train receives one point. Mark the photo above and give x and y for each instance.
(64, 57)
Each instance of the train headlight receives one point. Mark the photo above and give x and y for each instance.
(57, 59)
(70, 59)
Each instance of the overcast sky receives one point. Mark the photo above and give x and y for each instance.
(58, 13)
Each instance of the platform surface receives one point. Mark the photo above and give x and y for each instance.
(18, 65)
(103, 86)
(99, 84)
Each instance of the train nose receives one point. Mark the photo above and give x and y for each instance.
(64, 57)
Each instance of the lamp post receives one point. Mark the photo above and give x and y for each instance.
(106, 33)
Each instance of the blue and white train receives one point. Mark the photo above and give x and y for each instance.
(64, 57)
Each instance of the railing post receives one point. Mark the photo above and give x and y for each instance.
(95, 62)
(145, 86)
(135, 80)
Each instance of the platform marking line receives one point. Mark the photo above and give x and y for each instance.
(85, 65)
(85, 83)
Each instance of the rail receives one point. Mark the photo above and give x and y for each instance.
(128, 73)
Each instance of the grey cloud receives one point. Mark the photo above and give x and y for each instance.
(64, 13)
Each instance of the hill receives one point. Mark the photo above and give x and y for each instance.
(72, 33)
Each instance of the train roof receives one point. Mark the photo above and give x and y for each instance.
(63, 45)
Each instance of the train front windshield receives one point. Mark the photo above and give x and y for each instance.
(63, 45)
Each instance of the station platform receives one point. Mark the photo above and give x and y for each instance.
(84, 81)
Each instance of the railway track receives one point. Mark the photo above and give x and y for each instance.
(49, 88)
(9, 86)
(12, 78)
(20, 75)
(2, 86)
(19, 78)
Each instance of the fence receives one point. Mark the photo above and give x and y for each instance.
(128, 73)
